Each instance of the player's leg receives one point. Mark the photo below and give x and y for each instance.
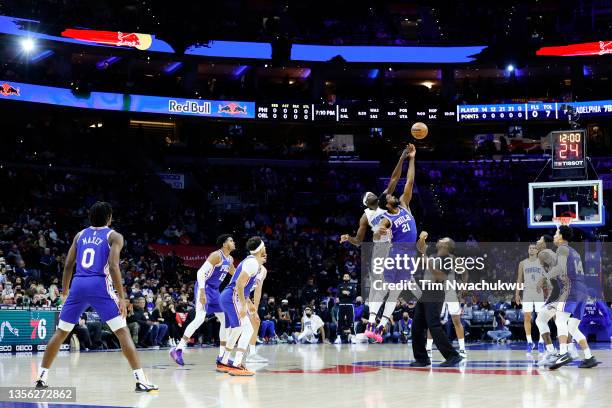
(562, 321)
(222, 333)
(388, 308)
(454, 310)
(376, 297)
(429, 345)
(107, 306)
(544, 315)
(176, 353)
(528, 308)
(574, 331)
(238, 368)
(69, 316)
(253, 356)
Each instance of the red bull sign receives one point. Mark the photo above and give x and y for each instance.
(7, 89)
(115, 38)
(577, 50)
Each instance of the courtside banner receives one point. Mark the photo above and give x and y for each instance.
(193, 256)
(20, 92)
(27, 331)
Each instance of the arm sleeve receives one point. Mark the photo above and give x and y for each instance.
(204, 273)
(250, 266)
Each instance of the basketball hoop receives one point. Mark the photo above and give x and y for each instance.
(559, 221)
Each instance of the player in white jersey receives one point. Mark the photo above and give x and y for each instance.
(371, 217)
(252, 355)
(530, 273)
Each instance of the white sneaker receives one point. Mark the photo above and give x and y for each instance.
(256, 358)
(338, 340)
(463, 354)
(548, 359)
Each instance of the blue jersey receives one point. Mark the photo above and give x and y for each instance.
(577, 289)
(403, 226)
(218, 273)
(93, 250)
(250, 283)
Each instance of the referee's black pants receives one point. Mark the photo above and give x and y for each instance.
(427, 316)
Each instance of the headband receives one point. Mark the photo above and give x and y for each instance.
(259, 248)
(365, 196)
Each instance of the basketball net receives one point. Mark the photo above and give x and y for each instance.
(559, 221)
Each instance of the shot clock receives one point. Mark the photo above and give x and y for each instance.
(568, 149)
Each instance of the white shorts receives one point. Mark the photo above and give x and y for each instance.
(454, 308)
(530, 307)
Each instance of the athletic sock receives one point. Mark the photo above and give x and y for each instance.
(226, 356)
(43, 373)
(562, 348)
(461, 344)
(550, 348)
(182, 345)
(383, 321)
(429, 345)
(372, 318)
(587, 353)
(221, 351)
(529, 340)
(238, 358)
(140, 376)
(541, 340)
(571, 347)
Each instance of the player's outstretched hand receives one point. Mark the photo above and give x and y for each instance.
(411, 151)
(422, 242)
(344, 238)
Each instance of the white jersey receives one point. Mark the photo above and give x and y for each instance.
(533, 272)
(374, 217)
(261, 275)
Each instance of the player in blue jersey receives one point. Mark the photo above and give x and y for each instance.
(96, 283)
(236, 305)
(400, 224)
(206, 295)
(573, 294)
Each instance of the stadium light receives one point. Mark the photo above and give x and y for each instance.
(510, 68)
(27, 44)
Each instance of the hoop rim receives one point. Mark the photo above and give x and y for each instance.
(562, 220)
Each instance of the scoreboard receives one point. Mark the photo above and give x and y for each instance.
(568, 149)
(531, 111)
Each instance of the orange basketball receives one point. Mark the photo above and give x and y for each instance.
(419, 130)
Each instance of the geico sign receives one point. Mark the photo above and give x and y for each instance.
(27, 347)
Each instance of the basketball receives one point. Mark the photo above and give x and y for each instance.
(419, 130)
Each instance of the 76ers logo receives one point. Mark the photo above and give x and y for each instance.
(9, 90)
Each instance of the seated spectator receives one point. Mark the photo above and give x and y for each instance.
(401, 329)
(89, 333)
(362, 312)
(267, 328)
(283, 318)
(159, 328)
(141, 316)
(329, 325)
(500, 326)
(312, 329)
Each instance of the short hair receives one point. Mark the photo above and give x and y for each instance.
(100, 213)
(222, 238)
(547, 238)
(566, 232)
(253, 243)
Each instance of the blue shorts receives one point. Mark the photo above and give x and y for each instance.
(94, 291)
(212, 299)
(230, 304)
(575, 308)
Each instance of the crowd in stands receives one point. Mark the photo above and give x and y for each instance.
(299, 211)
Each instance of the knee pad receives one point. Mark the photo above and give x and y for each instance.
(561, 322)
(574, 330)
(542, 323)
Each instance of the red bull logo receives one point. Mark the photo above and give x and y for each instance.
(127, 39)
(605, 47)
(233, 108)
(9, 90)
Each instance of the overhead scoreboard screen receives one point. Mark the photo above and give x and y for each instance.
(568, 149)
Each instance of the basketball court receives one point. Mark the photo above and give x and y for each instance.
(325, 375)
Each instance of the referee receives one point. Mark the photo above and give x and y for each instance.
(427, 316)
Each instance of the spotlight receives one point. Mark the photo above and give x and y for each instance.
(510, 68)
(27, 44)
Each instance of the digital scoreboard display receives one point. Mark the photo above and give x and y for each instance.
(568, 149)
